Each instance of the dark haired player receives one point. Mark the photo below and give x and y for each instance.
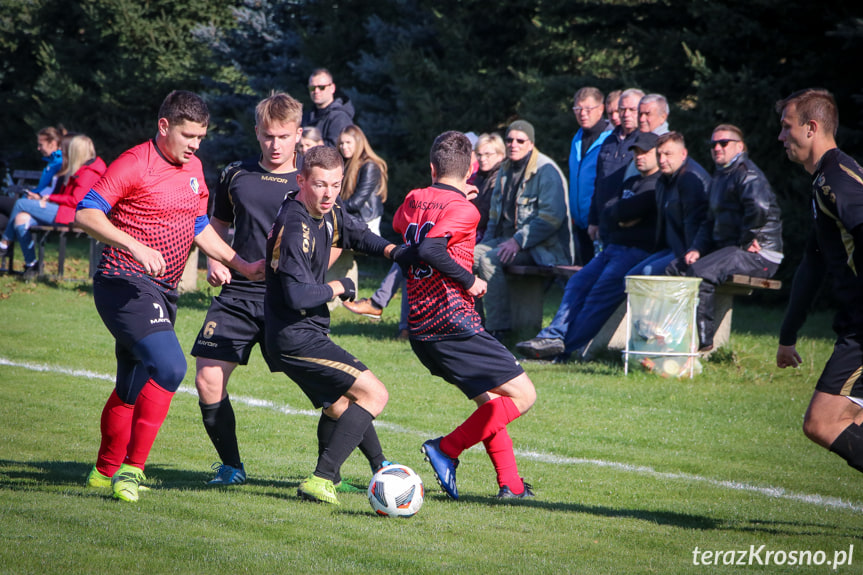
(445, 330)
(809, 120)
(148, 209)
(308, 224)
(248, 197)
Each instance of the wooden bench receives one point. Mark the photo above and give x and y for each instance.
(527, 285)
(40, 237)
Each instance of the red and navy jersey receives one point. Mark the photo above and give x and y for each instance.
(156, 202)
(440, 307)
(249, 197)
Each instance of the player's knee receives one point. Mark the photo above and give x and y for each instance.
(816, 431)
(525, 395)
(370, 393)
(169, 374)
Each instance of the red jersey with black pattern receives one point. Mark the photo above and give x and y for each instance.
(157, 203)
(440, 307)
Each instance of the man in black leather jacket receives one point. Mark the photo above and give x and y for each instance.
(742, 233)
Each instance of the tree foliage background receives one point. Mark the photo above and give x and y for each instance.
(415, 68)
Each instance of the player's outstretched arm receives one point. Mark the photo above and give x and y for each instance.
(215, 247)
(96, 223)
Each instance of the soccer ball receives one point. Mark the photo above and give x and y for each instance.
(396, 491)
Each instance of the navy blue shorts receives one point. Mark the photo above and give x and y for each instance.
(133, 308)
(231, 329)
(475, 364)
(323, 370)
(841, 375)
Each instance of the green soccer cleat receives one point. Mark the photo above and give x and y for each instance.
(345, 487)
(97, 480)
(318, 489)
(126, 482)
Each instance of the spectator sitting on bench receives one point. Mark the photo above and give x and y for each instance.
(528, 222)
(742, 233)
(48, 143)
(681, 204)
(592, 294)
(82, 168)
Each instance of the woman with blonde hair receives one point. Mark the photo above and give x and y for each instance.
(82, 168)
(364, 189)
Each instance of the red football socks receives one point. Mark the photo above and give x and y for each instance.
(499, 449)
(116, 429)
(488, 419)
(151, 408)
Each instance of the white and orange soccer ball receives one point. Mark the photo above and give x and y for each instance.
(396, 491)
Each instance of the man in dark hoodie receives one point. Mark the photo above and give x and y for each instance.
(592, 295)
(333, 111)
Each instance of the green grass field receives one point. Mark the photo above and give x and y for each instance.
(632, 473)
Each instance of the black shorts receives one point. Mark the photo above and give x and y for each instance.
(841, 375)
(475, 364)
(133, 308)
(231, 329)
(323, 370)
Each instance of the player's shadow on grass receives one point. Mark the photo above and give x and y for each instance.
(24, 475)
(660, 517)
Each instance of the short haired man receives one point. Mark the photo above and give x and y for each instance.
(308, 224)
(592, 294)
(528, 221)
(741, 233)
(445, 330)
(809, 119)
(612, 112)
(149, 207)
(653, 113)
(681, 203)
(583, 155)
(614, 157)
(333, 110)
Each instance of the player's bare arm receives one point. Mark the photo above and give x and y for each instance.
(218, 273)
(98, 226)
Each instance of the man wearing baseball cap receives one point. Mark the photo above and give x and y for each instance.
(592, 295)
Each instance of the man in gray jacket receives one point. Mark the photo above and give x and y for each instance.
(528, 221)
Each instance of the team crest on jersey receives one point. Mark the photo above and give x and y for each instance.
(193, 183)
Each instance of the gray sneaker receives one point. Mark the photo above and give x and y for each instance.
(540, 347)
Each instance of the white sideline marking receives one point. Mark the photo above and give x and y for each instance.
(776, 492)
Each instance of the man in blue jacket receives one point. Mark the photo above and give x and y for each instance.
(583, 155)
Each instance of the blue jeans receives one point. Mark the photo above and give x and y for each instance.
(592, 295)
(394, 280)
(21, 233)
(654, 265)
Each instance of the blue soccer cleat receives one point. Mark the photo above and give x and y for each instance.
(227, 475)
(442, 465)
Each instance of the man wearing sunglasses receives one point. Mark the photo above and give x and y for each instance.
(333, 110)
(742, 233)
(528, 222)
